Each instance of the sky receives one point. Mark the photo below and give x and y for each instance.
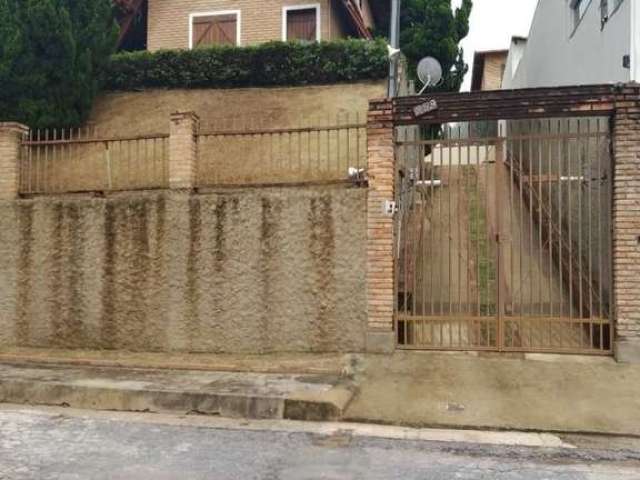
(492, 24)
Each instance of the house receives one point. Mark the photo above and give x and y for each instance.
(577, 42)
(516, 51)
(174, 24)
(488, 70)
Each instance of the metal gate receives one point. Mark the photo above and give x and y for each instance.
(504, 236)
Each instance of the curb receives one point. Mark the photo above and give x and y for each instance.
(138, 396)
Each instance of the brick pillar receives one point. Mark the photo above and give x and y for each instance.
(11, 135)
(626, 225)
(380, 264)
(183, 150)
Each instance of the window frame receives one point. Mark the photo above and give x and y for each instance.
(217, 13)
(289, 8)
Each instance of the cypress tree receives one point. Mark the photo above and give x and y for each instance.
(52, 54)
(431, 27)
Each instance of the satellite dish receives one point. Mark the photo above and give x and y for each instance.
(429, 72)
(393, 52)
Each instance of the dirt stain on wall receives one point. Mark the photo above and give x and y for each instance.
(322, 252)
(139, 272)
(66, 300)
(193, 270)
(271, 209)
(158, 280)
(219, 256)
(76, 238)
(55, 300)
(221, 217)
(108, 326)
(23, 314)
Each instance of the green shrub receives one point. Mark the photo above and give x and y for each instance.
(267, 65)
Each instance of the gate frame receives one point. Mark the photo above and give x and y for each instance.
(620, 103)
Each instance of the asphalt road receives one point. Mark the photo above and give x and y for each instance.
(67, 445)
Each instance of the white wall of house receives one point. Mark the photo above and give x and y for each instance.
(634, 9)
(561, 52)
(516, 52)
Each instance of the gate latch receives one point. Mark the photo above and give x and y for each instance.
(389, 208)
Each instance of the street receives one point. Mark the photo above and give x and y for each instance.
(56, 443)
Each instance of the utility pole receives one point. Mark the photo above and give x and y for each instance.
(395, 43)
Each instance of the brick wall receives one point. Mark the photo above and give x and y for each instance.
(494, 65)
(147, 112)
(626, 225)
(380, 264)
(260, 21)
(623, 105)
(183, 150)
(10, 137)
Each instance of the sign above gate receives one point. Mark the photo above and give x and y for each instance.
(429, 106)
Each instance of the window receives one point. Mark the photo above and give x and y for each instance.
(301, 23)
(608, 8)
(613, 6)
(216, 28)
(579, 8)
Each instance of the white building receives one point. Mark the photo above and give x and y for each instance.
(577, 42)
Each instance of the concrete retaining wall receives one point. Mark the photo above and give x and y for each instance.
(254, 270)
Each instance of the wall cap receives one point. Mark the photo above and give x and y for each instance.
(14, 127)
(191, 115)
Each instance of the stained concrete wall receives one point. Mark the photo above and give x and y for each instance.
(238, 271)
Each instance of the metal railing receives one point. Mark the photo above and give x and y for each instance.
(231, 156)
(82, 160)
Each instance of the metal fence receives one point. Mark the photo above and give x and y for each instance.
(231, 155)
(504, 242)
(81, 160)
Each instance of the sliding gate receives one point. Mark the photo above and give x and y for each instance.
(503, 238)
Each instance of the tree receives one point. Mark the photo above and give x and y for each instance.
(52, 55)
(431, 27)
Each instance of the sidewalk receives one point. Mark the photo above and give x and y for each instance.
(548, 393)
(257, 387)
(541, 393)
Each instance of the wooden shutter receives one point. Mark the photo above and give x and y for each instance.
(302, 25)
(215, 30)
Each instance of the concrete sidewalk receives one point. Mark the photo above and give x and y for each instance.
(538, 392)
(479, 391)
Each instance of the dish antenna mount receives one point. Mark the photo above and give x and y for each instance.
(429, 72)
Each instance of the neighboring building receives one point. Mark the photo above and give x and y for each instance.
(577, 42)
(516, 52)
(170, 24)
(488, 70)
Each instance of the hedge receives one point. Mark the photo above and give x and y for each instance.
(267, 65)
